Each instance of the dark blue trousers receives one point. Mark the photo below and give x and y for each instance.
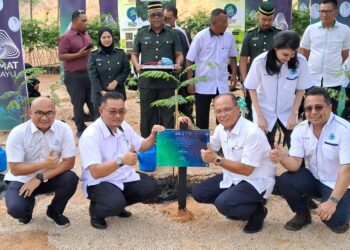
(296, 187)
(239, 200)
(63, 185)
(108, 200)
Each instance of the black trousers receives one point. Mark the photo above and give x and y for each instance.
(239, 200)
(155, 115)
(108, 200)
(79, 89)
(203, 102)
(271, 135)
(63, 185)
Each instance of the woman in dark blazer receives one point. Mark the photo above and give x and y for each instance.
(108, 68)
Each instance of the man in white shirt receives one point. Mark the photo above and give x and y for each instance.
(323, 140)
(107, 149)
(248, 175)
(210, 49)
(326, 45)
(41, 154)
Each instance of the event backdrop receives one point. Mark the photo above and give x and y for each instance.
(303, 5)
(110, 8)
(11, 60)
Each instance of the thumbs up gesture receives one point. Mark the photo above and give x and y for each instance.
(276, 154)
(130, 158)
(208, 155)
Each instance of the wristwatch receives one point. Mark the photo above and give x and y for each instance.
(40, 177)
(119, 161)
(218, 161)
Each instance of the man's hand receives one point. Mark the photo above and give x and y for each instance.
(208, 155)
(130, 158)
(156, 129)
(276, 154)
(185, 119)
(326, 209)
(292, 121)
(177, 68)
(112, 85)
(138, 69)
(262, 123)
(233, 81)
(191, 89)
(52, 160)
(28, 188)
(84, 52)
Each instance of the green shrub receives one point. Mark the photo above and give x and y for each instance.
(196, 23)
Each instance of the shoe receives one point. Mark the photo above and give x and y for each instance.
(98, 223)
(59, 219)
(299, 221)
(124, 214)
(25, 220)
(341, 229)
(256, 221)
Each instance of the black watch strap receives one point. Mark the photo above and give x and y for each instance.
(40, 177)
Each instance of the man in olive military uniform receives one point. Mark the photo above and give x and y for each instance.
(154, 42)
(257, 41)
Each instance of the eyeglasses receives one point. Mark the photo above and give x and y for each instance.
(317, 108)
(325, 12)
(155, 15)
(224, 111)
(119, 112)
(41, 114)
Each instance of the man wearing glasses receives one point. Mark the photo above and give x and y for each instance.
(248, 177)
(154, 42)
(323, 140)
(326, 46)
(40, 154)
(108, 151)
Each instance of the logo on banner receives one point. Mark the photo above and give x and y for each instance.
(8, 49)
(231, 10)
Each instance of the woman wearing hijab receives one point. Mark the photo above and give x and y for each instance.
(108, 68)
(276, 81)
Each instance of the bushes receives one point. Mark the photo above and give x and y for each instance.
(36, 34)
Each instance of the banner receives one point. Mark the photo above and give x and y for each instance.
(283, 14)
(11, 62)
(343, 7)
(109, 8)
(127, 24)
(303, 5)
(236, 18)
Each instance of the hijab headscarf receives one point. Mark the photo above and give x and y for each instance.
(104, 48)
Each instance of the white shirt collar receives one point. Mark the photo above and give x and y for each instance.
(34, 128)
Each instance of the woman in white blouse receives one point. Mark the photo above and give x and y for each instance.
(276, 82)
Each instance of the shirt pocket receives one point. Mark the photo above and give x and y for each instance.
(147, 45)
(236, 150)
(167, 45)
(330, 150)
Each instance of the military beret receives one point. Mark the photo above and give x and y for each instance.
(155, 5)
(267, 8)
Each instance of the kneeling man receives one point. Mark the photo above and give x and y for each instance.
(248, 177)
(107, 149)
(41, 154)
(323, 140)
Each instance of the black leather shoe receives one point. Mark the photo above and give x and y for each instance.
(124, 214)
(256, 221)
(299, 221)
(99, 223)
